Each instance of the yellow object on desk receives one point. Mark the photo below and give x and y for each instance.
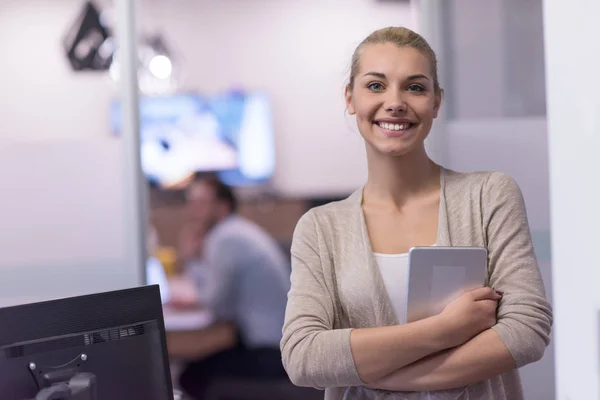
(168, 258)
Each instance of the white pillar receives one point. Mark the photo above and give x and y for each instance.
(571, 32)
(135, 184)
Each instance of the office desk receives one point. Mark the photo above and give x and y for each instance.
(191, 331)
(185, 330)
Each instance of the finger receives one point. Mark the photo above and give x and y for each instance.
(485, 293)
(489, 305)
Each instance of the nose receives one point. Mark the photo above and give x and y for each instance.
(395, 103)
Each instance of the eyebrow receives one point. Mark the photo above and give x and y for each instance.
(410, 78)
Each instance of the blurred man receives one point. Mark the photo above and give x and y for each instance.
(243, 278)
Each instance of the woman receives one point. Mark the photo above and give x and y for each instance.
(341, 331)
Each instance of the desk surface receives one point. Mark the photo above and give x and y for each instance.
(186, 320)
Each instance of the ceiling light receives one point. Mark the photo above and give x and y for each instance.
(160, 66)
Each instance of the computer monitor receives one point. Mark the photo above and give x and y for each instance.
(94, 347)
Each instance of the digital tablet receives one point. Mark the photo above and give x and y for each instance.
(438, 275)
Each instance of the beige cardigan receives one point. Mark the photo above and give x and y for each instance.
(336, 286)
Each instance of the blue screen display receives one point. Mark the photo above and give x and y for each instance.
(230, 134)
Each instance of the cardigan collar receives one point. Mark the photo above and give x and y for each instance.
(382, 307)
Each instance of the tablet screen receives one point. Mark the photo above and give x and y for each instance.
(444, 284)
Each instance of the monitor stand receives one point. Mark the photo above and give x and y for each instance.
(80, 387)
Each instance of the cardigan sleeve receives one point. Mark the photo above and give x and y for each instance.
(313, 352)
(524, 314)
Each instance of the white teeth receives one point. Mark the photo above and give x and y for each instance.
(395, 127)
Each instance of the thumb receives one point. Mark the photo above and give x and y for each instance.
(485, 293)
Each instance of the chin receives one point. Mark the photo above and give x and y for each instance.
(395, 152)
(395, 146)
(392, 149)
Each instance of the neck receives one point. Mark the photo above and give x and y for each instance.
(216, 220)
(396, 179)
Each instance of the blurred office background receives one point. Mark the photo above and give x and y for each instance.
(262, 82)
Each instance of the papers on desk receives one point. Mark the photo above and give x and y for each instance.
(186, 320)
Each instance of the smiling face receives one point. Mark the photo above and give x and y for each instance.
(394, 97)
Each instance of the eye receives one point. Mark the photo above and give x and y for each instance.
(416, 88)
(375, 86)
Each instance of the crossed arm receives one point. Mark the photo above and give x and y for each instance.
(481, 358)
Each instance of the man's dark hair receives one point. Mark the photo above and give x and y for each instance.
(223, 192)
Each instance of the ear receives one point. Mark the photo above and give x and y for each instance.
(348, 98)
(438, 102)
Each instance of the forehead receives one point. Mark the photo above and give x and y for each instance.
(200, 191)
(393, 60)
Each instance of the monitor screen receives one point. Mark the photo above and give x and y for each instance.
(230, 134)
(102, 346)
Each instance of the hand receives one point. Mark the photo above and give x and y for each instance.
(470, 314)
(183, 294)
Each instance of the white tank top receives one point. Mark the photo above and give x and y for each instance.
(394, 271)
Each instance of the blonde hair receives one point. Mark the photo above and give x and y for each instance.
(401, 37)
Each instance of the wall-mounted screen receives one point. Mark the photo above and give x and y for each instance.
(230, 134)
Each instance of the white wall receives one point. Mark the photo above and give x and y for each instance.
(495, 58)
(476, 38)
(571, 32)
(63, 208)
(63, 211)
(525, 87)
